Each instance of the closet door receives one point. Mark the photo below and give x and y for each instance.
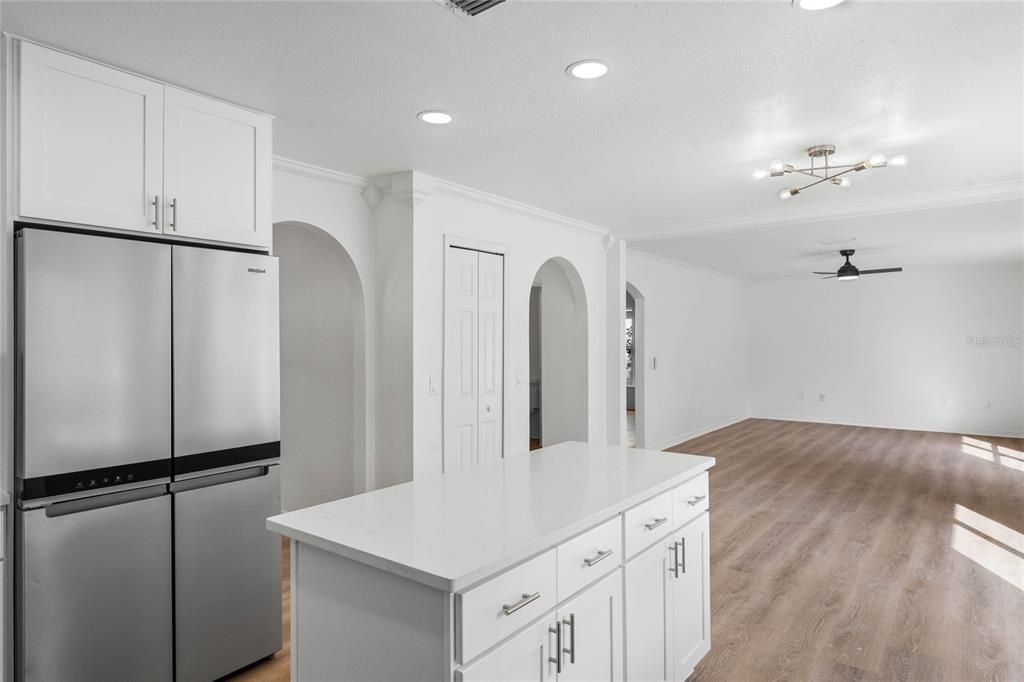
(473, 358)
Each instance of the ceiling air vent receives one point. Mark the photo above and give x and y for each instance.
(472, 7)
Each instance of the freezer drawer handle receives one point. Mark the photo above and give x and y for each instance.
(101, 501)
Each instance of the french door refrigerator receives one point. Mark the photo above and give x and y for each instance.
(147, 432)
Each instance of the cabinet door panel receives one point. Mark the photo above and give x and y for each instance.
(648, 621)
(91, 142)
(691, 608)
(592, 632)
(524, 658)
(217, 170)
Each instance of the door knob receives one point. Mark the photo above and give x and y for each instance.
(490, 409)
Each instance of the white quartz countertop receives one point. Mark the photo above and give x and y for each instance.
(451, 531)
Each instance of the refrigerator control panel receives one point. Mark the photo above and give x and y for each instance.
(93, 479)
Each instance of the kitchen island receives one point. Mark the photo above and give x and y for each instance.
(575, 561)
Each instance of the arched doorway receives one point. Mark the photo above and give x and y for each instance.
(323, 367)
(634, 367)
(558, 355)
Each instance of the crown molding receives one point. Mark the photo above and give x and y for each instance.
(474, 196)
(410, 187)
(310, 172)
(965, 195)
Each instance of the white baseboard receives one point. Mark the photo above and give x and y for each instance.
(901, 427)
(690, 435)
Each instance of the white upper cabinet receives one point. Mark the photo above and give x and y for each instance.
(91, 145)
(105, 148)
(216, 170)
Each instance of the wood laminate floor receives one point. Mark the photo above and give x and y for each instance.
(849, 553)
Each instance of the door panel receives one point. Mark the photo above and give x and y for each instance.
(226, 350)
(217, 169)
(97, 592)
(524, 658)
(227, 574)
(691, 609)
(648, 647)
(95, 333)
(91, 143)
(460, 357)
(491, 361)
(593, 633)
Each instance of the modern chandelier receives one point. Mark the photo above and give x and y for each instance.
(826, 172)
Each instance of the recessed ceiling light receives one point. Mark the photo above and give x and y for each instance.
(816, 4)
(434, 117)
(587, 69)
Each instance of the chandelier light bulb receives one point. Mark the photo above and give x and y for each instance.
(899, 160)
(777, 166)
(786, 194)
(876, 160)
(842, 182)
(759, 174)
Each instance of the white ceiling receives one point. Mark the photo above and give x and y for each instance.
(699, 95)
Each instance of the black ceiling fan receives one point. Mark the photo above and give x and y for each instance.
(849, 271)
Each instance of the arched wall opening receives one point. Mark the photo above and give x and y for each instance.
(634, 367)
(323, 367)
(558, 355)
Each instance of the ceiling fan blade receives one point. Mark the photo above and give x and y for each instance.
(875, 272)
(829, 277)
(823, 273)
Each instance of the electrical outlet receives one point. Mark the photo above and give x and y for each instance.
(988, 404)
(943, 400)
(519, 379)
(432, 386)
(821, 397)
(800, 395)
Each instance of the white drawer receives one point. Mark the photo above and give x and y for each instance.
(589, 556)
(647, 522)
(491, 611)
(690, 500)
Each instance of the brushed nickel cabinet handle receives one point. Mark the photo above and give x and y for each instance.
(557, 659)
(601, 556)
(509, 609)
(651, 525)
(674, 568)
(682, 546)
(173, 225)
(694, 500)
(571, 622)
(156, 211)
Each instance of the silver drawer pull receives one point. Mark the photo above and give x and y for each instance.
(655, 523)
(509, 609)
(694, 500)
(557, 658)
(601, 556)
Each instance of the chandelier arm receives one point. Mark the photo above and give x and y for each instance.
(803, 170)
(850, 170)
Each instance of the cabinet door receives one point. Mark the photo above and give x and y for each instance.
(524, 658)
(216, 170)
(648, 621)
(592, 633)
(91, 142)
(691, 597)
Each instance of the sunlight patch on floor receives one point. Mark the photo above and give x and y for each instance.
(990, 544)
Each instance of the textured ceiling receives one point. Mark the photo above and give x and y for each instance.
(700, 94)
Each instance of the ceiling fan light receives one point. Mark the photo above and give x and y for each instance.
(876, 160)
(847, 277)
(760, 174)
(814, 5)
(899, 160)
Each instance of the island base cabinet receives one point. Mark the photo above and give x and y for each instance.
(691, 607)
(668, 606)
(580, 642)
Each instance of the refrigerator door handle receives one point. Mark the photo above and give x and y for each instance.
(218, 479)
(101, 501)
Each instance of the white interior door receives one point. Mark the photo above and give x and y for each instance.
(474, 357)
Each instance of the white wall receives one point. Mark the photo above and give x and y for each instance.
(322, 367)
(563, 354)
(529, 237)
(892, 350)
(696, 328)
(332, 202)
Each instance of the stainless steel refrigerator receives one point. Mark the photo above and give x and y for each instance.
(147, 445)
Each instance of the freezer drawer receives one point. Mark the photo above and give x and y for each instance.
(94, 342)
(226, 354)
(94, 589)
(227, 572)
